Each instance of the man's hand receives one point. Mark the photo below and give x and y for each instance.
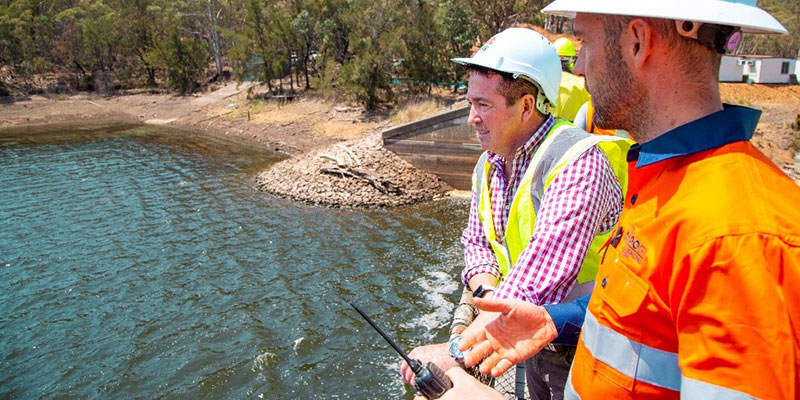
(466, 387)
(438, 354)
(520, 331)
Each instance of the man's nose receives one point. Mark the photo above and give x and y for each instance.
(473, 118)
(580, 65)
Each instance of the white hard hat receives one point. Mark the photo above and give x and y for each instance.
(523, 53)
(739, 13)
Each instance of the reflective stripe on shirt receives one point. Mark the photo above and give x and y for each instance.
(694, 389)
(569, 390)
(631, 358)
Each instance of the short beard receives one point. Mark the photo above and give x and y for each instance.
(622, 101)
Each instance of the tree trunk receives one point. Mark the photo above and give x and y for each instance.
(291, 76)
(102, 83)
(215, 44)
(305, 63)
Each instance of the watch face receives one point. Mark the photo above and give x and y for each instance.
(454, 351)
(481, 291)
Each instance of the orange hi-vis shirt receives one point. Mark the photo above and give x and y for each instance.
(698, 293)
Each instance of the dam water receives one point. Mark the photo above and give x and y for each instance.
(139, 262)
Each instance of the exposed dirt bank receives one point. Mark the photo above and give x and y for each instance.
(293, 128)
(336, 154)
(302, 129)
(780, 106)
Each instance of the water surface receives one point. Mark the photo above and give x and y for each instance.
(137, 262)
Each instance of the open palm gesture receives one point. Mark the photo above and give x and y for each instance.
(520, 331)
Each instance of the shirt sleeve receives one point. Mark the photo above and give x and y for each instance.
(736, 306)
(478, 254)
(568, 319)
(582, 200)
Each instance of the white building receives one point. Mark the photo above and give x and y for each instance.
(758, 69)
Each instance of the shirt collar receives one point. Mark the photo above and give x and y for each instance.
(732, 124)
(532, 144)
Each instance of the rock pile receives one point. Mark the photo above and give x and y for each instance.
(357, 173)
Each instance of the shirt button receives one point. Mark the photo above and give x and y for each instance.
(508, 206)
(634, 198)
(603, 283)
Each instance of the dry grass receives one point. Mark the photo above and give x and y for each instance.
(414, 110)
(321, 117)
(344, 130)
(274, 112)
(335, 120)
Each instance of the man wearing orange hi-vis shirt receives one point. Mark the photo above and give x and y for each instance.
(698, 290)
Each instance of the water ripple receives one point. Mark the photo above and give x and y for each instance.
(141, 264)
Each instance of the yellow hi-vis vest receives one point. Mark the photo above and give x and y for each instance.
(563, 144)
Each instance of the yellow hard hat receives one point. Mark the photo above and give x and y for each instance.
(564, 47)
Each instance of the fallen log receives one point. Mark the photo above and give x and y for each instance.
(384, 186)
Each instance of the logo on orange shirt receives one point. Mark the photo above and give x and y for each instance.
(633, 247)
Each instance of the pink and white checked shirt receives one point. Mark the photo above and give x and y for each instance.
(584, 199)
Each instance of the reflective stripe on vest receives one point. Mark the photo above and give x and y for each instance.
(629, 357)
(563, 144)
(694, 389)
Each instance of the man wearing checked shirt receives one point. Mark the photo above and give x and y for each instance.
(584, 198)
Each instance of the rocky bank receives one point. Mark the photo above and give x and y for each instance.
(355, 173)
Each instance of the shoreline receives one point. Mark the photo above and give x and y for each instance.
(334, 154)
(368, 175)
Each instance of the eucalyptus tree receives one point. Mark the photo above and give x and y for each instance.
(788, 13)
(423, 61)
(178, 51)
(459, 36)
(101, 39)
(27, 33)
(375, 27)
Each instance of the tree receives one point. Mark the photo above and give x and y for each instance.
(212, 13)
(374, 32)
(788, 13)
(304, 25)
(28, 31)
(176, 50)
(459, 36)
(101, 39)
(422, 62)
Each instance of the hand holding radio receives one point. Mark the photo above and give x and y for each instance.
(430, 380)
(466, 387)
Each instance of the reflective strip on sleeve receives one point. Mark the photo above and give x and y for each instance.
(631, 358)
(694, 389)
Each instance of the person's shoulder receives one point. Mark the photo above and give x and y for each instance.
(732, 192)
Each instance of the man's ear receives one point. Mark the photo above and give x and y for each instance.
(639, 45)
(528, 107)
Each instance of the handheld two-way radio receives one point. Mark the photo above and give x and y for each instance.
(430, 380)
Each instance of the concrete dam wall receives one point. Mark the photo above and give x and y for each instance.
(443, 144)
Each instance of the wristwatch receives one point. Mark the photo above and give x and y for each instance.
(483, 290)
(457, 354)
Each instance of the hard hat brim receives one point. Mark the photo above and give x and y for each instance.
(507, 67)
(748, 17)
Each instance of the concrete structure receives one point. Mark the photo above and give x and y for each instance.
(443, 144)
(758, 69)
